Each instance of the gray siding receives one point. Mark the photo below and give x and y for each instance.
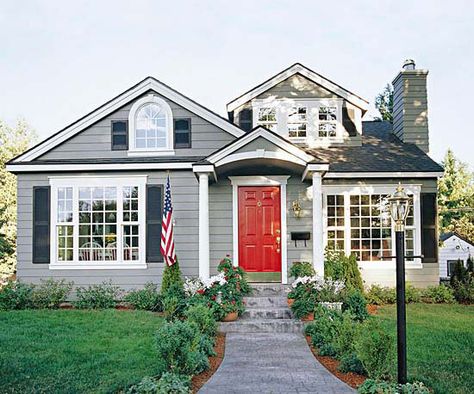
(185, 199)
(95, 141)
(410, 108)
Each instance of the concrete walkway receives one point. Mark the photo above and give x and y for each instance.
(271, 363)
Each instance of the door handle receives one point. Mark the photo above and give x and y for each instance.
(278, 241)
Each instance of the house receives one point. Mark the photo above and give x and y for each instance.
(294, 168)
(453, 248)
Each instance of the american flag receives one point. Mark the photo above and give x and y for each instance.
(167, 240)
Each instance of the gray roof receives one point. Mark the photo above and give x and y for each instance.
(381, 151)
(443, 237)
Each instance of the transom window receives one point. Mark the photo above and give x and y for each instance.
(98, 221)
(361, 224)
(327, 125)
(297, 122)
(267, 118)
(150, 126)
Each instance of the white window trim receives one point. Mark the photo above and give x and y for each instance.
(133, 150)
(86, 181)
(347, 191)
(281, 181)
(283, 106)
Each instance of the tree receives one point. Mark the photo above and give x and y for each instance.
(13, 141)
(456, 197)
(384, 103)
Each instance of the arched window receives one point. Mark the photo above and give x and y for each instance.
(151, 127)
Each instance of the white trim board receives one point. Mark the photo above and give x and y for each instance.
(305, 72)
(269, 136)
(258, 180)
(124, 98)
(97, 167)
(415, 174)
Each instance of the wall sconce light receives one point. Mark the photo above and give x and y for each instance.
(296, 208)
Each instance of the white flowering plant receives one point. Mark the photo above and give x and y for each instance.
(318, 288)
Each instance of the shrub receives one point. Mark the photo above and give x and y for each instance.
(178, 346)
(338, 266)
(236, 277)
(168, 383)
(412, 294)
(302, 268)
(148, 298)
(462, 281)
(304, 305)
(464, 292)
(371, 386)
(50, 293)
(378, 295)
(345, 331)
(439, 294)
(15, 295)
(323, 329)
(351, 363)
(102, 296)
(171, 277)
(375, 349)
(203, 317)
(356, 305)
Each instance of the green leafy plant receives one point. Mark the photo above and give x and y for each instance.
(323, 329)
(101, 296)
(371, 386)
(378, 295)
(440, 294)
(171, 277)
(375, 349)
(305, 305)
(356, 305)
(203, 317)
(148, 298)
(50, 293)
(302, 268)
(462, 282)
(412, 294)
(338, 266)
(236, 277)
(349, 362)
(178, 346)
(16, 295)
(169, 383)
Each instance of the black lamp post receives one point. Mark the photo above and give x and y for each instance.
(399, 206)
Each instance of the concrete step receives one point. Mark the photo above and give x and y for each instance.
(267, 313)
(269, 289)
(266, 302)
(263, 325)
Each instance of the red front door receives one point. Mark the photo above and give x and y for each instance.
(259, 228)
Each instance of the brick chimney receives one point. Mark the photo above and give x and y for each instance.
(410, 105)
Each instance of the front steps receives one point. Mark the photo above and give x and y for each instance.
(266, 310)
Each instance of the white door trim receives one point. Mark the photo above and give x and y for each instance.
(281, 181)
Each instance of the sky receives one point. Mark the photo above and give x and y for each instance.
(61, 59)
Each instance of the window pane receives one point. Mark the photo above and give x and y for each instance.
(181, 138)
(65, 242)
(151, 127)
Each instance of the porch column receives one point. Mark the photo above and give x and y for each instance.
(318, 242)
(204, 259)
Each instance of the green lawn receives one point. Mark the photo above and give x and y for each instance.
(75, 351)
(440, 341)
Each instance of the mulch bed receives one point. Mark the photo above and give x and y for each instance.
(372, 309)
(352, 379)
(199, 380)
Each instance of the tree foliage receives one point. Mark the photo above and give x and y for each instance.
(456, 198)
(384, 103)
(13, 141)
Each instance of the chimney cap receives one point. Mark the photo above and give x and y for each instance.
(408, 64)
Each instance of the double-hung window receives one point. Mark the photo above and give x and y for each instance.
(327, 126)
(98, 222)
(297, 122)
(267, 118)
(358, 222)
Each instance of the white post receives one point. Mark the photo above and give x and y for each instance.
(204, 260)
(318, 246)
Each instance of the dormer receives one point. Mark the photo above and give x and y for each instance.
(303, 107)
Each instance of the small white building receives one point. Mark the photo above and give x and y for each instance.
(453, 248)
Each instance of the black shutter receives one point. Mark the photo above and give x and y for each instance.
(154, 213)
(245, 119)
(348, 121)
(119, 134)
(41, 224)
(429, 236)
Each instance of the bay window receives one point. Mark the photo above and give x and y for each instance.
(357, 221)
(98, 222)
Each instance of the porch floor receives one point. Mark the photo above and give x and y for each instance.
(271, 363)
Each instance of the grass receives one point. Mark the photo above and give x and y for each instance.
(440, 345)
(64, 351)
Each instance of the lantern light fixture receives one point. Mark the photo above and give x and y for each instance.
(399, 207)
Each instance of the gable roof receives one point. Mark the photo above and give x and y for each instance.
(299, 154)
(381, 152)
(446, 236)
(122, 99)
(298, 68)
